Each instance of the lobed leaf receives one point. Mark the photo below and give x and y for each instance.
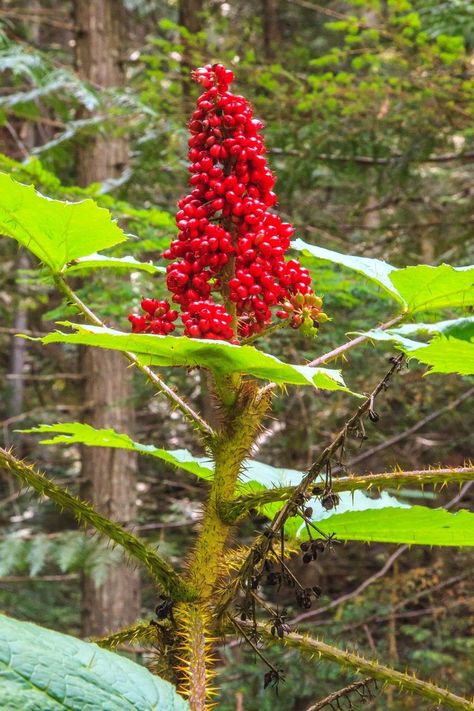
(450, 350)
(41, 669)
(219, 356)
(413, 525)
(376, 270)
(56, 232)
(418, 288)
(78, 433)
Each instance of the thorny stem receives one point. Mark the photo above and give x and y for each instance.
(252, 644)
(351, 344)
(161, 570)
(168, 392)
(244, 504)
(344, 658)
(263, 543)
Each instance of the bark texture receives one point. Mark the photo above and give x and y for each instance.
(110, 475)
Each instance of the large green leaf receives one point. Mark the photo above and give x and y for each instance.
(78, 433)
(42, 670)
(415, 525)
(219, 356)
(426, 288)
(376, 270)
(418, 288)
(450, 350)
(55, 231)
(447, 355)
(100, 261)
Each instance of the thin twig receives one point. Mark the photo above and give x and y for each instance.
(411, 430)
(354, 342)
(263, 543)
(346, 691)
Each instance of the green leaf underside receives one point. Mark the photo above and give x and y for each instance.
(376, 270)
(418, 525)
(418, 288)
(447, 355)
(43, 670)
(219, 356)
(78, 433)
(55, 231)
(100, 261)
(450, 350)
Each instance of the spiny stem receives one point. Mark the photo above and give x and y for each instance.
(160, 569)
(351, 344)
(168, 392)
(244, 504)
(344, 658)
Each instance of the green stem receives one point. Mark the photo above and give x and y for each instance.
(168, 392)
(231, 447)
(163, 573)
(361, 665)
(243, 504)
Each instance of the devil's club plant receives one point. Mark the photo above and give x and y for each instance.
(229, 276)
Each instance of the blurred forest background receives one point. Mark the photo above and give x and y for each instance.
(369, 114)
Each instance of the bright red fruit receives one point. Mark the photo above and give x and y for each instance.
(229, 242)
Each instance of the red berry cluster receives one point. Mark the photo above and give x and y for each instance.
(228, 241)
(158, 318)
(203, 319)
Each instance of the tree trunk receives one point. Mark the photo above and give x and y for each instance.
(110, 475)
(271, 28)
(190, 17)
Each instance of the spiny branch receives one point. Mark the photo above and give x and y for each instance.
(395, 479)
(162, 572)
(176, 400)
(350, 660)
(263, 544)
(331, 355)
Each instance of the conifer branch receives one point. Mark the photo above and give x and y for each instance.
(420, 477)
(344, 658)
(169, 581)
(176, 400)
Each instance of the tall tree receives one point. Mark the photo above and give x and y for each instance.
(110, 476)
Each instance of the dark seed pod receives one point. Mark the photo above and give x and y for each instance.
(305, 545)
(317, 491)
(373, 416)
(316, 591)
(308, 512)
(307, 558)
